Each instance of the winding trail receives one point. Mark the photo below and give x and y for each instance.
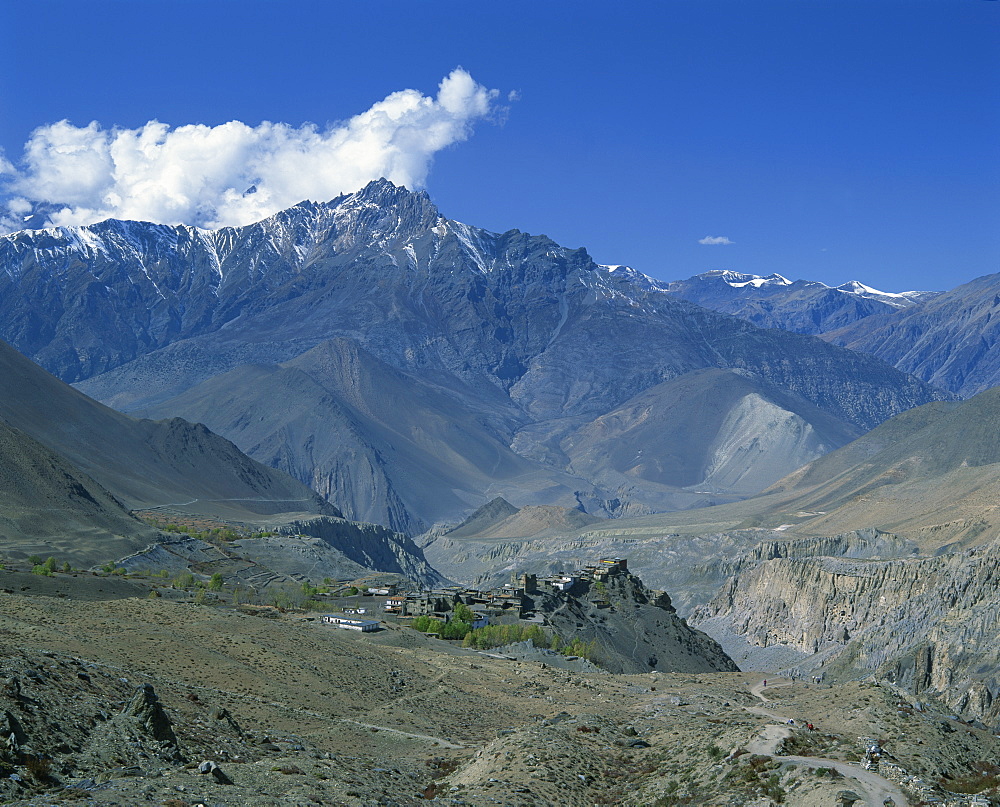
(876, 790)
(425, 737)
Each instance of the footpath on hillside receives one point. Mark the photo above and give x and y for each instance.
(877, 790)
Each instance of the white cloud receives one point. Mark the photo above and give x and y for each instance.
(715, 239)
(198, 174)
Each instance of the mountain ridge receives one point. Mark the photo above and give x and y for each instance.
(522, 341)
(945, 338)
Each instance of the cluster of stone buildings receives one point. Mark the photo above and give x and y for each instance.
(598, 573)
(512, 600)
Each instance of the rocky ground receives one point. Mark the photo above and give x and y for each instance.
(110, 697)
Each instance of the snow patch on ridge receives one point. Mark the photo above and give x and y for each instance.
(467, 235)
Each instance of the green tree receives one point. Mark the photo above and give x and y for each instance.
(183, 581)
(464, 613)
(455, 629)
(427, 624)
(215, 582)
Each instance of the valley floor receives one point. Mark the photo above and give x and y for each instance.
(293, 712)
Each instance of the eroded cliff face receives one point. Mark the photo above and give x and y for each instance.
(927, 624)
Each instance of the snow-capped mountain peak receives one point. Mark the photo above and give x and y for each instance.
(803, 306)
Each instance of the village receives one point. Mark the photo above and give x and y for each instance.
(368, 611)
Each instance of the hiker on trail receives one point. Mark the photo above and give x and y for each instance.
(765, 682)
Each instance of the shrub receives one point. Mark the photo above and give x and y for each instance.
(970, 784)
(578, 647)
(38, 768)
(215, 583)
(183, 581)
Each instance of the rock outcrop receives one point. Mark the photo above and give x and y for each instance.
(633, 629)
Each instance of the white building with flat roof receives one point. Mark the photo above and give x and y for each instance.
(351, 623)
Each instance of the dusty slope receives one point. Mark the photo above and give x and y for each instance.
(530, 520)
(485, 517)
(144, 463)
(930, 475)
(717, 430)
(49, 508)
(344, 422)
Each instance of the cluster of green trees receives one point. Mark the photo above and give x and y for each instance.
(452, 629)
(499, 635)
(214, 534)
(460, 627)
(185, 580)
(309, 590)
(110, 568)
(48, 566)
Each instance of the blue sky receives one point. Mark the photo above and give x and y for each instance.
(825, 139)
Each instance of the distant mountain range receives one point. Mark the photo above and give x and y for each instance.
(947, 339)
(410, 367)
(801, 306)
